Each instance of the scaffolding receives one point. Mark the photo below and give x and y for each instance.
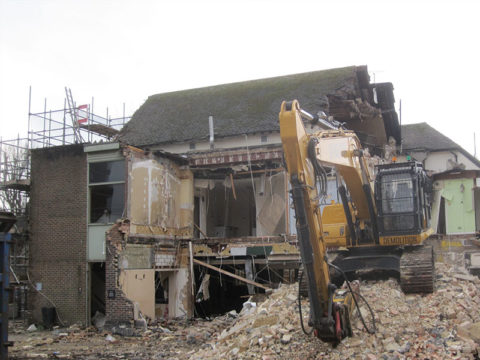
(74, 124)
(14, 198)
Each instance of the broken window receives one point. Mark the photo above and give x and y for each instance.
(107, 191)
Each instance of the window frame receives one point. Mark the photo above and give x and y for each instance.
(91, 185)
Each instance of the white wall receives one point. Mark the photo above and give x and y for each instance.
(439, 161)
(222, 143)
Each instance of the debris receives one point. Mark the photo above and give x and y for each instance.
(164, 329)
(233, 314)
(32, 328)
(286, 339)
(441, 325)
(110, 338)
(248, 308)
(98, 320)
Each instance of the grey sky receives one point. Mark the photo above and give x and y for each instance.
(124, 51)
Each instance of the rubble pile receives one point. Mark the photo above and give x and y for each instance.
(442, 325)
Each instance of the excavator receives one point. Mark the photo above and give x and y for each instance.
(381, 223)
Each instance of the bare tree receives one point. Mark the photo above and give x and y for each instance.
(14, 175)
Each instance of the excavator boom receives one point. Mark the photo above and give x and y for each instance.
(329, 319)
(383, 224)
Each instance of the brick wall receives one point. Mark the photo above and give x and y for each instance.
(118, 309)
(59, 231)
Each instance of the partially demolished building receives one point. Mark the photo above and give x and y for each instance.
(456, 175)
(188, 211)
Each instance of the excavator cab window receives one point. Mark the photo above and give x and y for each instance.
(397, 193)
(397, 202)
(400, 199)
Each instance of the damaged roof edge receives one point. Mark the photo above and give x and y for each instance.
(242, 107)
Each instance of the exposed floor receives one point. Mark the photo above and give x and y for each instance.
(442, 325)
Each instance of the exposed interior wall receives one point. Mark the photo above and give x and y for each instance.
(180, 294)
(151, 277)
(459, 208)
(271, 205)
(139, 287)
(230, 209)
(200, 210)
(160, 197)
(239, 207)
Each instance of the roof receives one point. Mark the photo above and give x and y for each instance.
(422, 137)
(238, 108)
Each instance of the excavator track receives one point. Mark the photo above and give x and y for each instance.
(417, 270)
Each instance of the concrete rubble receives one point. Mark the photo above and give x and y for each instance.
(442, 325)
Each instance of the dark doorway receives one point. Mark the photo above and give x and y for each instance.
(442, 227)
(97, 288)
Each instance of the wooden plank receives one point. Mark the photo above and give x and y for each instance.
(251, 282)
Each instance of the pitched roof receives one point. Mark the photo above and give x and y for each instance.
(422, 137)
(238, 108)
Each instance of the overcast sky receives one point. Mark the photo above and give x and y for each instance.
(123, 51)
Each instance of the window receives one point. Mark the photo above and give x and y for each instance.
(108, 171)
(107, 191)
(397, 202)
(397, 193)
(106, 203)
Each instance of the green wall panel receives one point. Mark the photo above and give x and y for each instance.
(459, 209)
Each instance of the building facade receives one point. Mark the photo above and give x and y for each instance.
(188, 211)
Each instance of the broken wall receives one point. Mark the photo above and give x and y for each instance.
(139, 287)
(118, 308)
(271, 204)
(130, 277)
(459, 207)
(160, 197)
(230, 208)
(180, 296)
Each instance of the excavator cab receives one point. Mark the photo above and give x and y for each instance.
(403, 203)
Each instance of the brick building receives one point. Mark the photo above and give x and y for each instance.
(191, 201)
(59, 231)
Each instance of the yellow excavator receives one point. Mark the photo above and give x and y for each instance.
(381, 223)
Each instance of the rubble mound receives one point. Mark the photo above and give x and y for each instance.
(441, 325)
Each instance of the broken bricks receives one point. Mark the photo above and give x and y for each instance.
(441, 325)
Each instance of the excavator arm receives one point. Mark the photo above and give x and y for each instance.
(330, 308)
